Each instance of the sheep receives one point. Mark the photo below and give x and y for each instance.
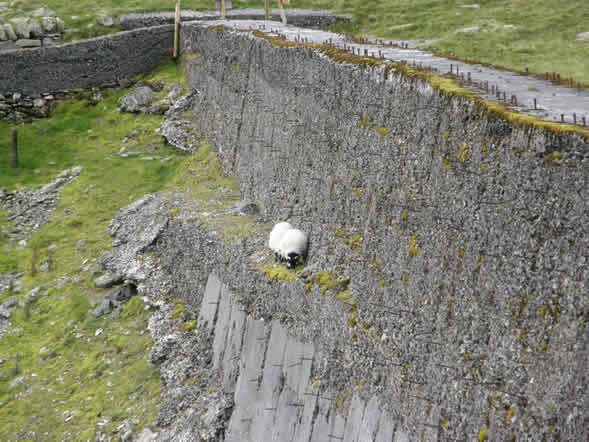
(293, 247)
(276, 237)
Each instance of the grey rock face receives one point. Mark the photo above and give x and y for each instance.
(453, 239)
(137, 99)
(29, 209)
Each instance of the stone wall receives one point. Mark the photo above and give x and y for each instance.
(462, 240)
(97, 62)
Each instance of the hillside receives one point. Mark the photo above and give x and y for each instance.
(540, 35)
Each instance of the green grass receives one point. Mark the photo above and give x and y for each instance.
(543, 40)
(104, 378)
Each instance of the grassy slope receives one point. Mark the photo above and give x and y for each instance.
(104, 378)
(543, 41)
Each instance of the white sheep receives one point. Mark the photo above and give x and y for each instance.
(276, 238)
(293, 247)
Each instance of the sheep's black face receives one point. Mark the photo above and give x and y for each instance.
(292, 260)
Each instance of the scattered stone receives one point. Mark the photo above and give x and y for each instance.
(81, 244)
(244, 208)
(43, 12)
(399, 27)
(107, 280)
(130, 154)
(115, 300)
(49, 24)
(4, 314)
(510, 27)
(474, 6)
(174, 91)
(146, 435)
(32, 295)
(583, 36)
(15, 383)
(60, 25)
(98, 332)
(136, 99)
(158, 109)
(7, 46)
(49, 43)
(105, 308)
(105, 20)
(38, 102)
(23, 31)
(10, 302)
(19, 20)
(470, 30)
(10, 34)
(35, 29)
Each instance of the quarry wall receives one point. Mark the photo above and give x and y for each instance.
(446, 283)
(457, 243)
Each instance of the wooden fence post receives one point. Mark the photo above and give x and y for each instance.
(267, 9)
(177, 29)
(14, 148)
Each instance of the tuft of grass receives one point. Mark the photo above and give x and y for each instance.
(279, 272)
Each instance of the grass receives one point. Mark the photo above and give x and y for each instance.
(93, 381)
(543, 38)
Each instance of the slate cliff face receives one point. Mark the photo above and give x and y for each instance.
(456, 244)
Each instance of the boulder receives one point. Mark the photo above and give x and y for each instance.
(35, 29)
(583, 36)
(23, 30)
(10, 31)
(137, 99)
(50, 25)
(60, 25)
(28, 43)
(105, 20)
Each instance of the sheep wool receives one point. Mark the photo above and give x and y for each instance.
(293, 247)
(276, 238)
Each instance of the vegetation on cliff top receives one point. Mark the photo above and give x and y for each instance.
(516, 34)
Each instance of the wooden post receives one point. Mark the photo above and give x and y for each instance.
(267, 9)
(281, 4)
(222, 9)
(14, 148)
(177, 29)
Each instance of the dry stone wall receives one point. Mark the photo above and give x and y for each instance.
(464, 238)
(97, 62)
